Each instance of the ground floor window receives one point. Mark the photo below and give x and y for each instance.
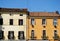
(44, 33)
(21, 35)
(11, 35)
(1, 34)
(32, 33)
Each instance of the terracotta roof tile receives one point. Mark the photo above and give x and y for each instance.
(12, 10)
(43, 14)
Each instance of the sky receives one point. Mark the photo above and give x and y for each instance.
(32, 5)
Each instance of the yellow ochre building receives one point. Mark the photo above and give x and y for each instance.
(43, 26)
(21, 25)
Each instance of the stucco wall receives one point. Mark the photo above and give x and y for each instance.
(15, 27)
(38, 28)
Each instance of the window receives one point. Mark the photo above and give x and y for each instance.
(56, 36)
(44, 33)
(11, 35)
(55, 22)
(20, 21)
(0, 14)
(11, 21)
(1, 34)
(21, 35)
(11, 14)
(1, 21)
(32, 21)
(43, 21)
(32, 33)
(55, 32)
(21, 14)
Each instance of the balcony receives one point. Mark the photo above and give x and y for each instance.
(12, 40)
(38, 40)
(44, 37)
(33, 38)
(21, 38)
(56, 37)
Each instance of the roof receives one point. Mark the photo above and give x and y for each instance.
(43, 14)
(12, 10)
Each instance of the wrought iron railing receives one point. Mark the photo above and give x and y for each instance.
(56, 37)
(33, 38)
(45, 37)
(38, 40)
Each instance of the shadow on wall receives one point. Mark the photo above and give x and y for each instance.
(1, 22)
(1, 32)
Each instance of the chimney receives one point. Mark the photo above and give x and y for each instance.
(28, 13)
(57, 12)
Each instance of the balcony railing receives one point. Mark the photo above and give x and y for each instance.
(45, 37)
(56, 37)
(9, 37)
(38, 40)
(21, 38)
(33, 38)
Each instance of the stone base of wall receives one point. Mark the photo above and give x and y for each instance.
(38, 40)
(12, 40)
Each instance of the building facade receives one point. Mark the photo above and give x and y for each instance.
(13, 23)
(43, 26)
(21, 25)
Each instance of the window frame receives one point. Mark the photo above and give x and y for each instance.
(10, 33)
(11, 21)
(20, 22)
(32, 21)
(19, 35)
(55, 21)
(21, 14)
(44, 21)
(32, 33)
(44, 33)
(55, 32)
